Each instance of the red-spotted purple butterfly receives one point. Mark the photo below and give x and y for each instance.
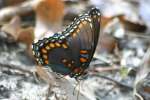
(69, 52)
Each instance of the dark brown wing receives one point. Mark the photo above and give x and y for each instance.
(70, 52)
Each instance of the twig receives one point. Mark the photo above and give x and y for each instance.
(114, 81)
(106, 69)
(15, 67)
(141, 75)
(141, 36)
(25, 7)
(107, 93)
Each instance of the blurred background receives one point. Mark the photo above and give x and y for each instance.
(119, 69)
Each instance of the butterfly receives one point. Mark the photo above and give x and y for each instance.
(70, 52)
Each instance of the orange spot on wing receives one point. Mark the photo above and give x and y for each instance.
(83, 51)
(44, 50)
(83, 60)
(74, 34)
(57, 44)
(46, 61)
(84, 22)
(45, 56)
(80, 26)
(47, 47)
(78, 30)
(78, 70)
(52, 45)
(64, 46)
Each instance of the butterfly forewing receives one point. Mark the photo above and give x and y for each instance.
(95, 18)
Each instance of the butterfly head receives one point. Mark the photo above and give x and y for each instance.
(94, 12)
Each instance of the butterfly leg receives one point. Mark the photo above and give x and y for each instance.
(47, 77)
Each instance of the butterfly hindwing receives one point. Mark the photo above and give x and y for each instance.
(70, 52)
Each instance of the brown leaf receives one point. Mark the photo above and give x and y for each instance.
(128, 25)
(50, 11)
(12, 2)
(105, 20)
(107, 43)
(22, 9)
(132, 26)
(43, 74)
(12, 27)
(26, 35)
(49, 16)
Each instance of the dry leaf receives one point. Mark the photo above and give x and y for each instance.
(128, 25)
(105, 20)
(23, 9)
(26, 35)
(13, 27)
(49, 16)
(43, 74)
(142, 82)
(107, 43)
(132, 26)
(12, 2)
